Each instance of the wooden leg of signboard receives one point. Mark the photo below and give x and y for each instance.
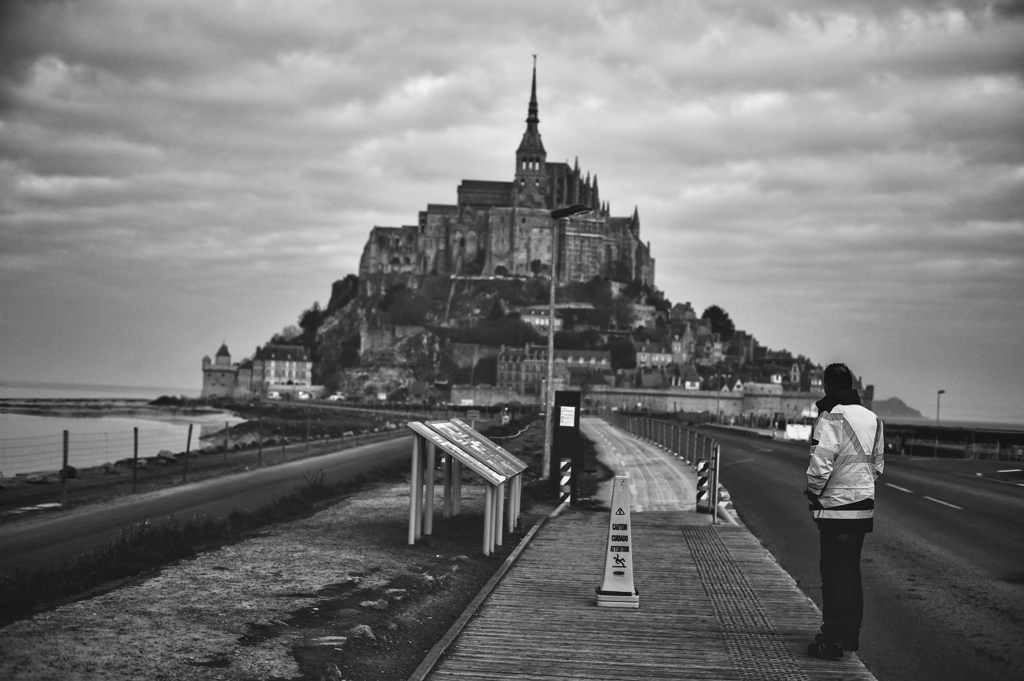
(446, 501)
(494, 518)
(519, 500)
(488, 522)
(456, 487)
(414, 532)
(428, 504)
(499, 515)
(510, 506)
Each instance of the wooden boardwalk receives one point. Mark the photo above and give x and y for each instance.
(713, 605)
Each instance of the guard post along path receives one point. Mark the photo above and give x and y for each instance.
(617, 590)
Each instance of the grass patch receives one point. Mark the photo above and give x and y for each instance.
(145, 547)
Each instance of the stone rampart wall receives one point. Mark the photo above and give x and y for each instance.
(487, 395)
(750, 401)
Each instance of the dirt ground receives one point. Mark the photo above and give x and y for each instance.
(339, 595)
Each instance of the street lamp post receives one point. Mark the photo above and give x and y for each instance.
(718, 397)
(938, 403)
(549, 391)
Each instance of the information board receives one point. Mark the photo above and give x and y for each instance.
(469, 459)
(518, 463)
(567, 416)
(472, 444)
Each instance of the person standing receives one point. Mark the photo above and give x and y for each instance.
(847, 455)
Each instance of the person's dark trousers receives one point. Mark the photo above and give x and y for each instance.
(842, 595)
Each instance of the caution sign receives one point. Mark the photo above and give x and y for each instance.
(617, 591)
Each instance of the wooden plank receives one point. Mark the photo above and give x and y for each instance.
(541, 621)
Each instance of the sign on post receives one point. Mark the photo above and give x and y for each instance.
(565, 441)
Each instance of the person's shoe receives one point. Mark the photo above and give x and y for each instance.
(825, 651)
(849, 646)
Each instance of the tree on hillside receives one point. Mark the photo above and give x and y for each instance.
(720, 322)
(404, 307)
(343, 291)
(497, 311)
(311, 319)
(623, 353)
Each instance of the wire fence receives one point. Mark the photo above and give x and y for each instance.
(161, 457)
(45, 453)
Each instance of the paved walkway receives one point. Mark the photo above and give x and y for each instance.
(713, 602)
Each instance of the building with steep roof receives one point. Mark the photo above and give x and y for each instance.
(219, 375)
(501, 228)
(281, 367)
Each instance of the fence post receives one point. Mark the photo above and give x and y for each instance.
(135, 460)
(307, 435)
(64, 477)
(259, 450)
(188, 449)
(227, 434)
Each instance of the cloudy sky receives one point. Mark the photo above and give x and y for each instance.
(845, 179)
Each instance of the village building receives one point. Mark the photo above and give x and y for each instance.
(281, 368)
(524, 370)
(219, 375)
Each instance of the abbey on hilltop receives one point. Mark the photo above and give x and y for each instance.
(504, 229)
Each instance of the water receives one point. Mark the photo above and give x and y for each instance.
(28, 390)
(31, 443)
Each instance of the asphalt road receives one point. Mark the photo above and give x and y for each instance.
(943, 570)
(37, 542)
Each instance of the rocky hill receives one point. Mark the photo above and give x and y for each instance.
(372, 340)
(894, 407)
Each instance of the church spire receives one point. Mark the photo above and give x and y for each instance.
(531, 119)
(531, 158)
(531, 146)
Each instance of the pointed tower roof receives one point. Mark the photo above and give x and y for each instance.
(223, 352)
(531, 143)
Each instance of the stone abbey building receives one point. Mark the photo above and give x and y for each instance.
(505, 229)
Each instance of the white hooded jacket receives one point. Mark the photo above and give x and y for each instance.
(847, 454)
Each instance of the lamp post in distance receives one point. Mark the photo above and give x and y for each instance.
(549, 392)
(938, 402)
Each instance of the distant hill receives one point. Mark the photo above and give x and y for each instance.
(895, 407)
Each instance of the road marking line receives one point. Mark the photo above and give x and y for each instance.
(944, 503)
(1011, 470)
(729, 463)
(902, 489)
